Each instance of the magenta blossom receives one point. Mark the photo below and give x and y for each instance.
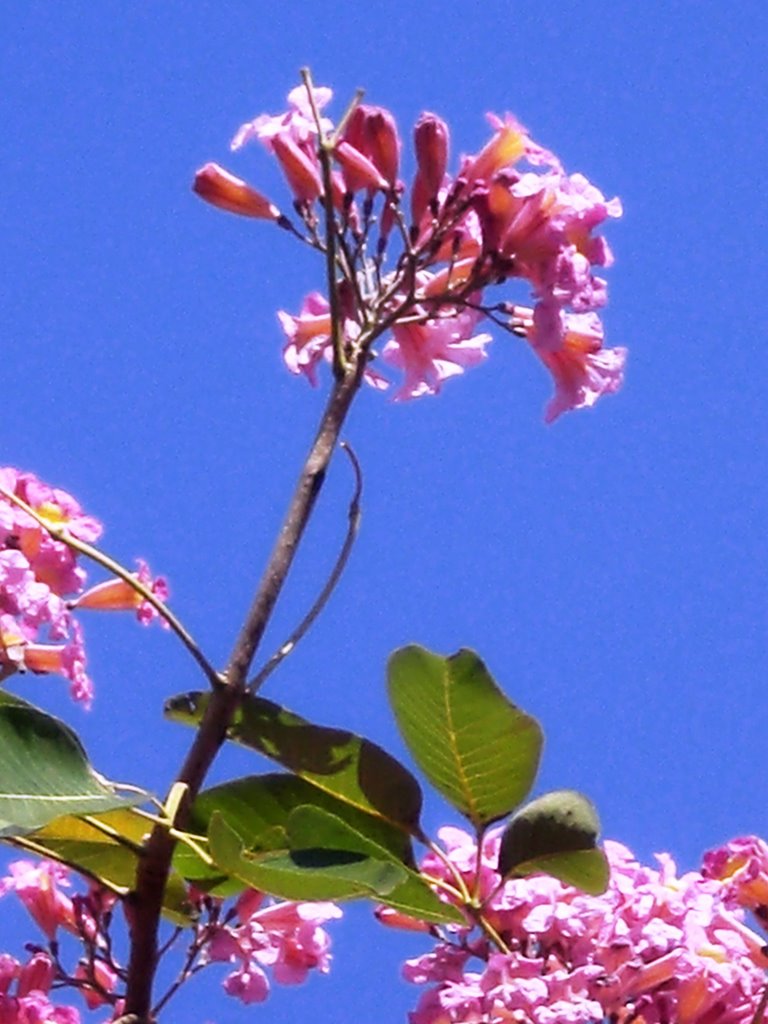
(39, 578)
(655, 947)
(432, 352)
(510, 213)
(39, 887)
(117, 595)
(28, 1003)
(286, 938)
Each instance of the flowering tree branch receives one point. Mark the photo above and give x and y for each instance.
(147, 899)
(530, 917)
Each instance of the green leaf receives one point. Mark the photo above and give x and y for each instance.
(557, 834)
(258, 807)
(340, 763)
(473, 744)
(104, 847)
(308, 874)
(44, 771)
(313, 828)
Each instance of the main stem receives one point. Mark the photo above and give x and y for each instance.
(144, 903)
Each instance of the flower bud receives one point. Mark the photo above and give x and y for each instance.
(301, 173)
(220, 188)
(430, 140)
(372, 131)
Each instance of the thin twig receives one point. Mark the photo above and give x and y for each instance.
(354, 515)
(324, 149)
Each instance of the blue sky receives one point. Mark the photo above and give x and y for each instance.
(612, 569)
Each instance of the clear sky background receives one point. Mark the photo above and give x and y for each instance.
(612, 569)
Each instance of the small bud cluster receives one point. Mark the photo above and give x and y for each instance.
(42, 582)
(509, 212)
(656, 947)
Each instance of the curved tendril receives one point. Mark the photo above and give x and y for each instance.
(354, 516)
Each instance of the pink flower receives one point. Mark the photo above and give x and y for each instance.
(117, 595)
(249, 986)
(510, 214)
(36, 975)
(656, 946)
(37, 575)
(742, 866)
(430, 141)
(301, 169)
(308, 341)
(570, 346)
(371, 132)
(220, 188)
(37, 886)
(297, 123)
(429, 353)
(101, 981)
(308, 336)
(503, 150)
(288, 938)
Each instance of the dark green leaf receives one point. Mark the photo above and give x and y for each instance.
(350, 768)
(557, 834)
(308, 874)
(312, 827)
(475, 746)
(258, 807)
(44, 771)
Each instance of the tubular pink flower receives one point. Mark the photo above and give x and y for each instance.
(654, 947)
(105, 979)
(10, 968)
(37, 886)
(65, 659)
(430, 139)
(570, 346)
(218, 187)
(117, 595)
(36, 975)
(358, 171)
(742, 866)
(372, 132)
(309, 340)
(249, 986)
(429, 353)
(308, 336)
(288, 938)
(297, 123)
(392, 918)
(301, 171)
(503, 150)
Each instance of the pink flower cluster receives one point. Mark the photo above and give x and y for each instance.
(40, 886)
(656, 947)
(38, 576)
(509, 212)
(41, 582)
(29, 1002)
(287, 938)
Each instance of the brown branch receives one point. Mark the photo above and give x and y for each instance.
(144, 904)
